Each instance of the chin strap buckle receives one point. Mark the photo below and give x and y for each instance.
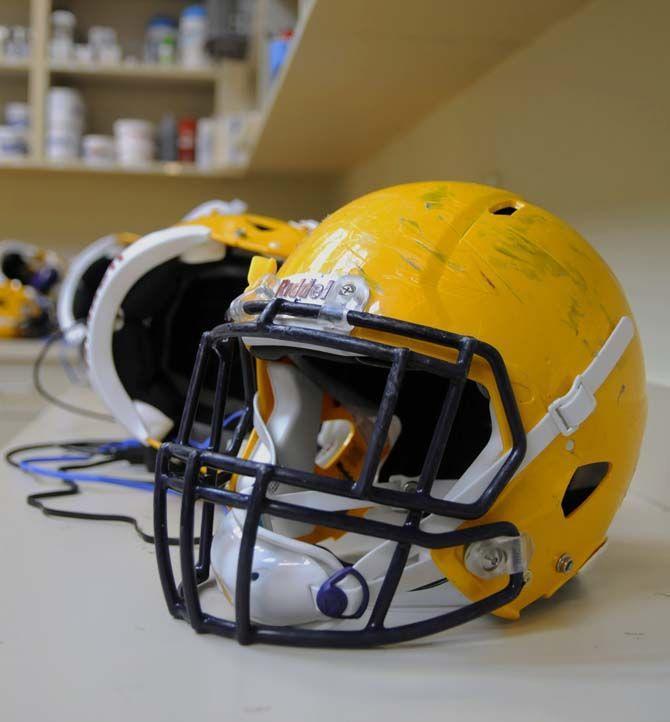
(571, 410)
(332, 601)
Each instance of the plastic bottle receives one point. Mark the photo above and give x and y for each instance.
(204, 143)
(167, 138)
(159, 28)
(193, 36)
(63, 23)
(186, 140)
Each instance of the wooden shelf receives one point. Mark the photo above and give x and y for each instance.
(139, 71)
(16, 67)
(359, 73)
(156, 169)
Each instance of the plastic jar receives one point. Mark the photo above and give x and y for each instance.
(65, 123)
(12, 144)
(193, 36)
(17, 114)
(134, 141)
(98, 149)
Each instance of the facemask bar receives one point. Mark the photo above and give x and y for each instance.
(179, 468)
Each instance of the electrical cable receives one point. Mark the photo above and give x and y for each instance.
(42, 391)
(69, 474)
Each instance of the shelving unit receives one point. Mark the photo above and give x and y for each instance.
(138, 71)
(357, 74)
(129, 89)
(14, 67)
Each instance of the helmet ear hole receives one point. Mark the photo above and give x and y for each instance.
(583, 483)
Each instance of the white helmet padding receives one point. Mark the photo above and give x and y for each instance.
(150, 310)
(289, 576)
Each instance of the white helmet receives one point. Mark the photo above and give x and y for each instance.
(157, 298)
(81, 281)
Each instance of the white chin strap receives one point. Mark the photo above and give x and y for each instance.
(287, 574)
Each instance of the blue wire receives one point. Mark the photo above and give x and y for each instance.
(231, 417)
(32, 466)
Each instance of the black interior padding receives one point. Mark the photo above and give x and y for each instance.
(164, 315)
(87, 286)
(583, 483)
(14, 266)
(355, 383)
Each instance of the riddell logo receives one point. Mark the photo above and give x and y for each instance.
(307, 288)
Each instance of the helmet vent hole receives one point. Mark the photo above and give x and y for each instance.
(584, 482)
(506, 209)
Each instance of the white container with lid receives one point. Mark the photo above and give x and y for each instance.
(99, 149)
(193, 36)
(133, 128)
(62, 145)
(135, 152)
(134, 141)
(17, 114)
(12, 142)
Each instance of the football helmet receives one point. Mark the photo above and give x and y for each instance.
(155, 300)
(81, 281)
(444, 404)
(24, 313)
(32, 266)
(27, 275)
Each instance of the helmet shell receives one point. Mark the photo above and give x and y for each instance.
(484, 262)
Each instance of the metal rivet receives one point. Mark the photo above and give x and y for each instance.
(570, 445)
(564, 564)
(492, 558)
(410, 486)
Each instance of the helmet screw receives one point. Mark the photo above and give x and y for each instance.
(564, 564)
(410, 486)
(492, 558)
(347, 289)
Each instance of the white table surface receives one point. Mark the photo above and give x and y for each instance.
(85, 636)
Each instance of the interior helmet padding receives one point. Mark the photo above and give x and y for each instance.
(87, 286)
(357, 383)
(163, 317)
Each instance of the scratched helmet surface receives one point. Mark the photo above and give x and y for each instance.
(447, 410)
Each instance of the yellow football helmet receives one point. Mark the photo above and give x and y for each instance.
(447, 410)
(23, 312)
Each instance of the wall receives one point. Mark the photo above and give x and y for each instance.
(66, 211)
(577, 122)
